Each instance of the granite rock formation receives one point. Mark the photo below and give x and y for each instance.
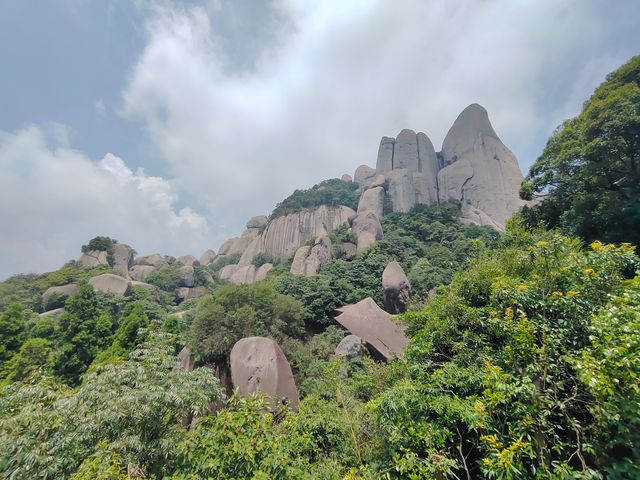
(396, 288)
(61, 293)
(307, 260)
(109, 283)
(259, 365)
(350, 347)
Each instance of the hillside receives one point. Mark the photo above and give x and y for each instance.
(412, 321)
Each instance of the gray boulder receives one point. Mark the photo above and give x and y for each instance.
(55, 313)
(146, 286)
(385, 339)
(346, 178)
(262, 271)
(243, 274)
(372, 200)
(365, 176)
(140, 273)
(396, 287)
(186, 361)
(186, 277)
(60, 293)
(308, 260)
(259, 365)
(109, 283)
(258, 222)
(350, 347)
(298, 264)
(186, 293)
(94, 258)
(385, 155)
(367, 229)
(188, 261)
(226, 272)
(123, 258)
(155, 260)
(207, 257)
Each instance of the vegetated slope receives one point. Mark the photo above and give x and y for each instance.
(525, 366)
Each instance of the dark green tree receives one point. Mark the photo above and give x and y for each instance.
(588, 177)
(12, 331)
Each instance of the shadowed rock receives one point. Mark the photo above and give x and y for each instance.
(308, 260)
(94, 258)
(366, 226)
(258, 222)
(186, 277)
(365, 319)
(187, 261)
(259, 365)
(141, 272)
(396, 287)
(109, 283)
(350, 347)
(207, 257)
(186, 361)
(61, 293)
(372, 200)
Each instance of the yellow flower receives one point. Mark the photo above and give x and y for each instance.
(556, 294)
(597, 245)
(589, 271)
(521, 287)
(542, 243)
(572, 293)
(487, 462)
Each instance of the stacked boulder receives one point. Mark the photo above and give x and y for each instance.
(396, 288)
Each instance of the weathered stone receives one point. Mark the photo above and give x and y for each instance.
(262, 271)
(473, 216)
(401, 191)
(187, 261)
(239, 244)
(385, 155)
(259, 365)
(60, 293)
(367, 320)
(347, 250)
(226, 246)
(428, 167)
(258, 222)
(405, 151)
(372, 200)
(308, 260)
(186, 361)
(56, 312)
(346, 178)
(243, 274)
(186, 277)
(155, 260)
(364, 176)
(207, 277)
(141, 272)
(366, 226)
(254, 248)
(479, 170)
(227, 272)
(109, 283)
(94, 258)
(284, 235)
(146, 286)
(122, 258)
(186, 293)
(298, 264)
(396, 288)
(207, 257)
(350, 347)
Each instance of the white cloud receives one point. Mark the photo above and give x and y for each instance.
(101, 108)
(54, 199)
(338, 75)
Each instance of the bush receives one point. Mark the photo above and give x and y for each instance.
(332, 193)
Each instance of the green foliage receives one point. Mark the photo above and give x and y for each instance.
(262, 258)
(34, 356)
(589, 173)
(332, 192)
(12, 332)
(494, 391)
(237, 311)
(165, 278)
(225, 260)
(101, 244)
(123, 414)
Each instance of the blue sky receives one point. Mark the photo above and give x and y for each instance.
(168, 124)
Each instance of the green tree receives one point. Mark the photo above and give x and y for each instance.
(588, 177)
(12, 332)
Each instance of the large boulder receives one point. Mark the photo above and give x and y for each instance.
(478, 169)
(109, 283)
(261, 272)
(243, 274)
(284, 235)
(155, 260)
(372, 200)
(226, 272)
(259, 365)
(188, 261)
(207, 257)
(346, 178)
(396, 288)
(365, 176)
(94, 258)
(186, 277)
(307, 260)
(186, 361)
(140, 273)
(350, 347)
(54, 297)
(366, 226)
(258, 222)
(254, 248)
(365, 319)
(122, 258)
(186, 293)
(145, 286)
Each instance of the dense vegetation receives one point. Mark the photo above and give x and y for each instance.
(588, 176)
(525, 364)
(332, 192)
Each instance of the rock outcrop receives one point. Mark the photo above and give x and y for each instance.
(55, 297)
(372, 200)
(122, 258)
(365, 319)
(109, 283)
(307, 260)
(350, 347)
(141, 272)
(258, 222)
(259, 365)
(186, 361)
(186, 276)
(94, 258)
(155, 260)
(187, 261)
(474, 169)
(396, 288)
(207, 257)
(366, 226)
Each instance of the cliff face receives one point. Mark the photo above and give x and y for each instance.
(474, 168)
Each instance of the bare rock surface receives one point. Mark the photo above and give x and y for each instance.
(122, 258)
(396, 288)
(56, 312)
(186, 361)
(243, 274)
(186, 276)
(384, 163)
(299, 259)
(227, 272)
(155, 260)
(258, 222)
(62, 292)
(350, 347)
(207, 257)
(259, 365)
(262, 271)
(367, 320)
(141, 272)
(94, 258)
(146, 286)
(308, 260)
(372, 200)
(346, 178)
(109, 283)
(367, 229)
(186, 293)
(188, 260)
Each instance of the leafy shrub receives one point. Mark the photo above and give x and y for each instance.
(332, 193)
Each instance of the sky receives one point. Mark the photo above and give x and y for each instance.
(167, 125)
